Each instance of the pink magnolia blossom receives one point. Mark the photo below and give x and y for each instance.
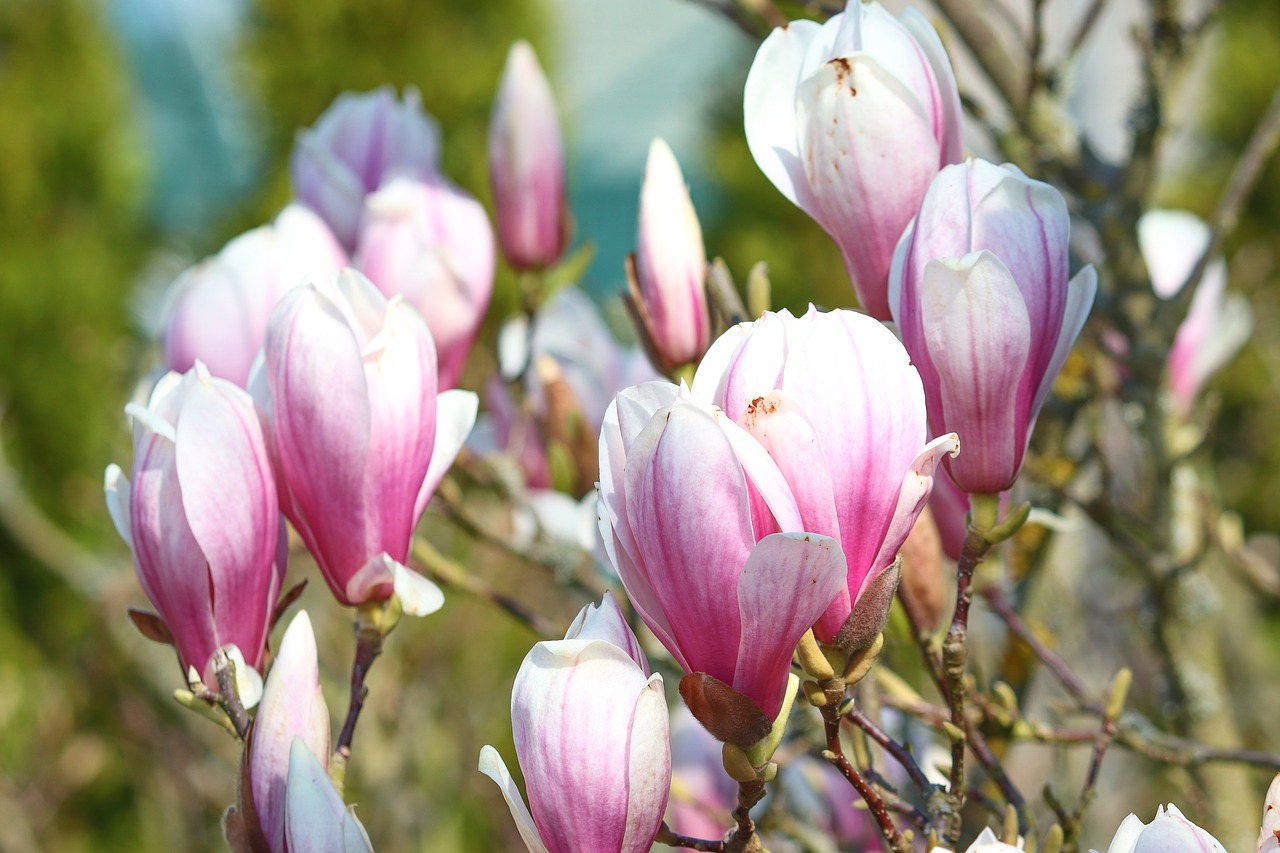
(849, 443)
(700, 524)
(671, 263)
(219, 308)
(526, 164)
(359, 436)
(202, 518)
(360, 142)
(292, 709)
(591, 734)
(1217, 324)
(850, 120)
(980, 292)
(431, 243)
(1169, 832)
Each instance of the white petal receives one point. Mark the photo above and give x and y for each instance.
(769, 109)
(117, 489)
(418, 595)
(455, 416)
(492, 765)
(248, 680)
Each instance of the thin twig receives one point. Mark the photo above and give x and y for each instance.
(368, 647)
(451, 575)
(834, 753)
(899, 752)
(954, 657)
(999, 66)
(1091, 16)
(674, 839)
(1257, 153)
(996, 600)
(225, 670)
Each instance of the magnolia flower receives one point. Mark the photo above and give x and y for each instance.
(1217, 325)
(354, 147)
(526, 164)
(591, 735)
(431, 243)
(690, 510)
(850, 120)
(202, 518)
(292, 710)
(359, 437)
(669, 286)
(849, 444)
(980, 293)
(1170, 832)
(219, 308)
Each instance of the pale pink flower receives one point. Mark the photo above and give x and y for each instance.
(850, 120)
(526, 164)
(980, 292)
(591, 734)
(359, 436)
(202, 518)
(426, 240)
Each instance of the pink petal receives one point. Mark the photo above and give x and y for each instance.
(786, 584)
(979, 336)
(689, 507)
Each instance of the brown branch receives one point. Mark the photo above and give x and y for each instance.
(899, 752)
(674, 839)
(451, 575)
(368, 647)
(834, 753)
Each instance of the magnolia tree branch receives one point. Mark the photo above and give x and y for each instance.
(368, 647)
(1259, 150)
(834, 753)
(449, 574)
(954, 656)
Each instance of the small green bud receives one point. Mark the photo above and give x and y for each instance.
(1118, 693)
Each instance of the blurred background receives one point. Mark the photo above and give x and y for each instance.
(138, 136)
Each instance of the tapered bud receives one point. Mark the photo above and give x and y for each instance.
(526, 165)
(850, 446)
(431, 243)
(359, 436)
(354, 147)
(202, 518)
(219, 308)
(690, 506)
(850, 120)
(292, 709)
(1170, 832)
(669, 284)
(592, 737)
(980, 293)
